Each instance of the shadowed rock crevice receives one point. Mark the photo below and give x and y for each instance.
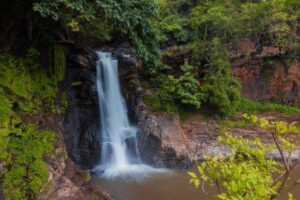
(82, 121)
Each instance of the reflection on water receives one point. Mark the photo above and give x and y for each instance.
(173, 186)
(169, 186)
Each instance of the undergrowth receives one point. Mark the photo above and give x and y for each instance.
(26, 89)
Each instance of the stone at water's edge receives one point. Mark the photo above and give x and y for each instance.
(68, 181)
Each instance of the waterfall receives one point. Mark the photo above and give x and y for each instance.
(116, 131)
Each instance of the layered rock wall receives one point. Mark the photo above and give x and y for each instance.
(268, 75)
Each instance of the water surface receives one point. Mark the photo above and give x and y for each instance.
(168, 186)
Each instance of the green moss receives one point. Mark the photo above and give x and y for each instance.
(59, 62)
(29, 84)
(76, 83)
(267, 69)
(64, 102)
(87, 177)
(25, 88)
(233, 123)
(157, 104)
(27, 172)
(297, 49)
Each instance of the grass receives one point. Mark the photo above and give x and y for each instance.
(233, 123)
(250, 106)
(155, 104)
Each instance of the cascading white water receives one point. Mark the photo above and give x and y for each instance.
(116, 132)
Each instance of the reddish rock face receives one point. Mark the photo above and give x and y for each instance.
(278, 80)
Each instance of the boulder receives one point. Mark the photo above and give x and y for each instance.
(161, 140)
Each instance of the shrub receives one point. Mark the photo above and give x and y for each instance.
(221, 91)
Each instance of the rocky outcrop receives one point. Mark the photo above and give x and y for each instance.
(161, 140)
(82, 120)
(165, 141)
(67, 181)
(267, 73)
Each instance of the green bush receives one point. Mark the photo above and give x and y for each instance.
(185, 88)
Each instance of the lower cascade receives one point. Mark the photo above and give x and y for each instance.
(116, 132)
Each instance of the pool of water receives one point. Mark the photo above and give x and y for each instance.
(168, 186)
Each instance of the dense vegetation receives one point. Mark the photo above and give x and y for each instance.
(26, 91)
(209, 30)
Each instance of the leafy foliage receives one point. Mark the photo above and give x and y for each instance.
(130, 18)
(185, 88)
(233, 20)
(26, 89)
(175, 92)
(221, 91)
(173, 22)
(246, 173)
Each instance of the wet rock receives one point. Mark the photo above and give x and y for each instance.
(82, 122)
(201, 137)
(82, 57)
(126, 57)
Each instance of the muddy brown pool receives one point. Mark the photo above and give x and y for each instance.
(170, 186)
